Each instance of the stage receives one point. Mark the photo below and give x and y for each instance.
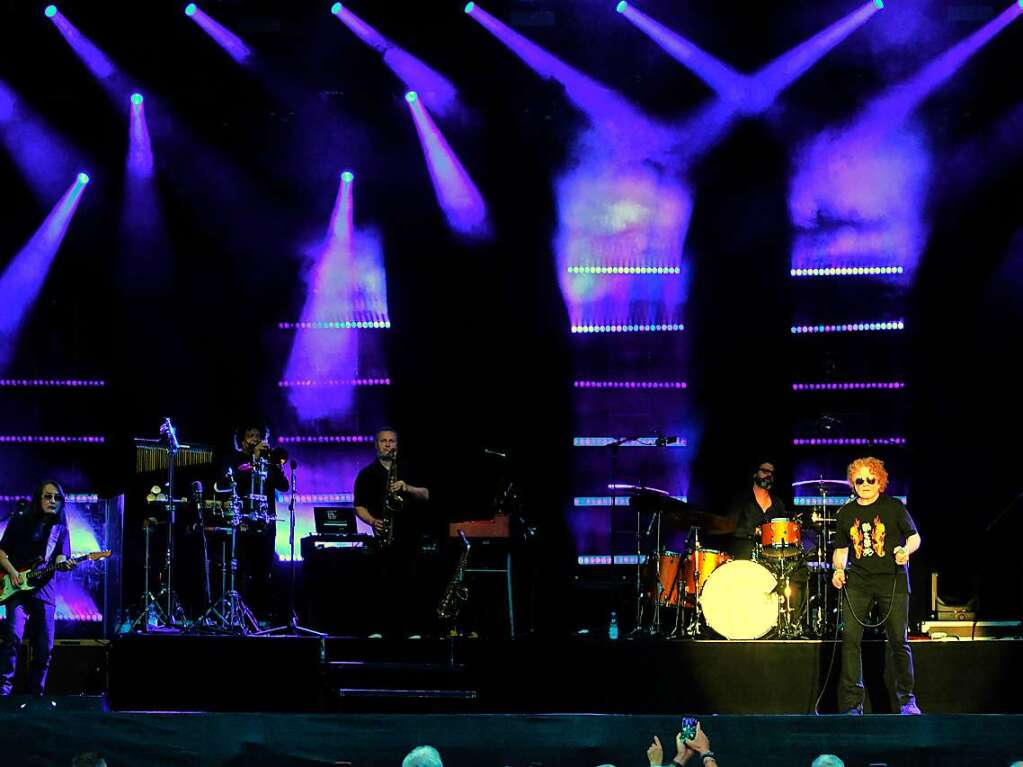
(222, 700)
(530, 675)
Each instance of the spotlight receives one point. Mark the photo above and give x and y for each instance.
(621, 6)
(879, 3)
(136, 99)
(411, 97)
(51, 11)
(336, 9)
(469, 6)
(347, 176)
(190, 9)
(83, 178)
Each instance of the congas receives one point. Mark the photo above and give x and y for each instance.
(739, 600)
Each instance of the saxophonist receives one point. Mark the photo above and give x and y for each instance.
(388, 503)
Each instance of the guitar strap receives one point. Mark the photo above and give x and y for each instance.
(56, 535)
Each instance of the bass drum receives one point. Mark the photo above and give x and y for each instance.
(739, 600)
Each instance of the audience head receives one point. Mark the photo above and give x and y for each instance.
(827, 760)
(88, 759)
(422, 756)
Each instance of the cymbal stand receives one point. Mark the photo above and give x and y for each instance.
(819, 619)
(230, 611)
(679, 630)
(786, 628)
(695, 629)
(151, 608)
(655, 623)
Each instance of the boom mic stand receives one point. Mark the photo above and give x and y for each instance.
(292, 627)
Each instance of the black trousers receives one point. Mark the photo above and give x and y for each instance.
(860, 595)
(39, 615)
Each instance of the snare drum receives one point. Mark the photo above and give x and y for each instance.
(781, 537)
(670, 567)
(709, 561)
(739, 600)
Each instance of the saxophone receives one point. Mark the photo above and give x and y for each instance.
(393, 503)
(457, 592)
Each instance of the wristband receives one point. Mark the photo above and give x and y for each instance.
(707, 755)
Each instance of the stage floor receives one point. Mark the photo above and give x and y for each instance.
(540, 675)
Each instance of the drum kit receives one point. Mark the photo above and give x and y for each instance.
(222, 518)
(780, 592)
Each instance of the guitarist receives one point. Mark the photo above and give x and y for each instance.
(40, 535)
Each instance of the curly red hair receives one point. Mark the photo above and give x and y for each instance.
(876, 466)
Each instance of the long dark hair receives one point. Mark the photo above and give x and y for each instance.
(36, 507)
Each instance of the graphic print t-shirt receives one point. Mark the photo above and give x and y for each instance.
(871, 534)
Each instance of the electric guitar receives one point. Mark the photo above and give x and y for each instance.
(34, 579)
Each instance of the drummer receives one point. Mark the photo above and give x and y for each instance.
(753, 508)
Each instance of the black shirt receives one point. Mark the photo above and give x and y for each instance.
(370, 493)
(871, 534)
(747, 514)
(27, 539)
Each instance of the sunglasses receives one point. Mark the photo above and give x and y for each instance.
(868, 480)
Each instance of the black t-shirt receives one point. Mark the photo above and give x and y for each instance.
(370, 493)
(747, 514)
(871, 534)
(27, 539)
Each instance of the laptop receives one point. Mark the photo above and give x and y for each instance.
(335, 520)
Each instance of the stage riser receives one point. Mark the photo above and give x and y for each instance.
(222, 673)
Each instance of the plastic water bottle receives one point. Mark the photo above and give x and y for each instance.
(612, 627)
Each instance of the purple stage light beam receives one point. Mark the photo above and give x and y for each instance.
(460, 200)
(23, 279)
(600, 103)
(146, 261)
(894, 107)
(221, 35)
(43, 157)
(416, 74)
(346, 279)
(771, 80)
(94, 59)
(725, 81)
(140, 149)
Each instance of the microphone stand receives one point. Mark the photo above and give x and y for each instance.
(170, 434)
(292, 627)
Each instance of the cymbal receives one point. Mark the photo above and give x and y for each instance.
(801, 483)
(638, 490)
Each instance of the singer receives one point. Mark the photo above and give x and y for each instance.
(882, 536)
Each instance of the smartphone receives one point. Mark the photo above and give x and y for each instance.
(688, 727)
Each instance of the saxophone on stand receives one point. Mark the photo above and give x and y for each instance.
(457, 592)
